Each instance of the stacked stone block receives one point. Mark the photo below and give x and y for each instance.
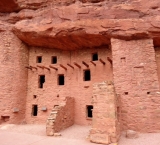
(61, 117)
(136, 82)
(50, 127)
(105, 127)
(13, 76)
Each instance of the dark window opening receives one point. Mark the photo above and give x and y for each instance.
(123, 59)
(61, 80)
(39, 59)
(54, 60)
(118, 113)
(94, 56)
(126, 93)
(89, 111)
(148, 93)
(41, 81)
(34, 110)
(5, 118)
(34, 96)
(87, 75)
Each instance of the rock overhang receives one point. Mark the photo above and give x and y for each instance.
(71, 25)
(72, 35)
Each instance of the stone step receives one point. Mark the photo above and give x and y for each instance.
(51, 118)
(54, 112)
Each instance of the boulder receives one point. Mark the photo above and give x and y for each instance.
(131, 134)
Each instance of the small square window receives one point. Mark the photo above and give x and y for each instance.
(123, 59)
(34, 96)
(94, 56)
(60, 80)
(87, 75)
(34, 110)
(89, 109)
(53, 59)
(39, 59)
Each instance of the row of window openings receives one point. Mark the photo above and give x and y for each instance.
(126, 93)
(61, 78)
(54, 58)
(89, 109)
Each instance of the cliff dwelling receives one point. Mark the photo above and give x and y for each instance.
(90, 63)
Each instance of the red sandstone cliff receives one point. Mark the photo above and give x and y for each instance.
(71, 24)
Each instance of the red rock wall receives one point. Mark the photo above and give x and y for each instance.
(74, 86)
(136, 82)
(13, 76)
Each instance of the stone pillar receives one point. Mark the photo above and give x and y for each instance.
(136, 82)
(13, 77)
(105, 129)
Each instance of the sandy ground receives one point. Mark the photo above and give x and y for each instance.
(143, 139)
(75, 135)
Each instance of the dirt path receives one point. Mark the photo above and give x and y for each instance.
(75, 135)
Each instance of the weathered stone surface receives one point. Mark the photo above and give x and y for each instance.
(73, 25)
(100, 138)
(17, 5)
(8, 5)
(80, 34)
(57, 134)
(5, 26)
(61, 117)
(13, 75)
(113, 144)
(53, 94)
(105, 128)
(136, 82)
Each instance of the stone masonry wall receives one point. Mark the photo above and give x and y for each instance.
(105, 126)
(61, 117)
(157, 54)
(13, 76)
(136, 83)
(52, 94)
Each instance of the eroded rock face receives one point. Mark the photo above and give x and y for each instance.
(71, 24)
(88, 33)
(17, 5)
(8, 5)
